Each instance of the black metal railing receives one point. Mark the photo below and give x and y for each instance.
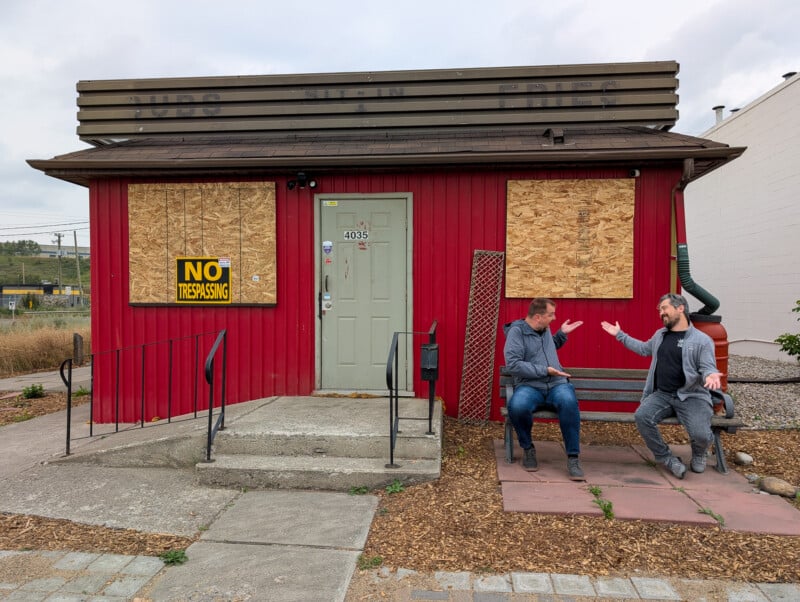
(393, 384)
(222, 337)
(163, 355)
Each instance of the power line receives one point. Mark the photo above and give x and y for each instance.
(47, 232)
(85, 221)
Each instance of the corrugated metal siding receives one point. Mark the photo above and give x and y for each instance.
(272, 350)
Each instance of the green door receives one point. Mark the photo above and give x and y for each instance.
(363, 290)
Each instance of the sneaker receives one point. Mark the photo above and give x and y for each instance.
(676, 467)
(529, 462)
(698, 463)
(574, 469)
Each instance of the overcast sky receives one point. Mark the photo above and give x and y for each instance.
(730, 53)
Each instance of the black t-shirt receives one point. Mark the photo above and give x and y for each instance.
(669, 365)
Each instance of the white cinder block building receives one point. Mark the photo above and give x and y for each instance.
(743, 223)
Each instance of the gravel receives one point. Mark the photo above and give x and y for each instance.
(765, 406)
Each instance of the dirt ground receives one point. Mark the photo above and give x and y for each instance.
(458, 523)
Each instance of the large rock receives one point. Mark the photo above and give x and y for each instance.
(777, 486)
(743, 459)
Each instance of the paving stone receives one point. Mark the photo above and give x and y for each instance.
(453, 580)
(418, 594)
(75, 561)
(532, 583)
(744, 592)
(654, 589)
(615, 588)
(490, 597)
(144, 565)
(781, 592)
(493, 583)
(110, 563)
(125, 586)
(48, 584)
(86, 584)
(572, 585)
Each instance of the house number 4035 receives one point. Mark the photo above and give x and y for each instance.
(356, 235)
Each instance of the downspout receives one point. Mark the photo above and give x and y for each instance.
(711, 303)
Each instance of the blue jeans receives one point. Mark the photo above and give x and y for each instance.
(560, 399)
(694, 414)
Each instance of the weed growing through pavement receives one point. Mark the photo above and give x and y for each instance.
(174, 557)
(605, 505)
(359, 490)
(81, 392)
(713, 515)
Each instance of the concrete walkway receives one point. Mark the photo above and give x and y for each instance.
(281, 545)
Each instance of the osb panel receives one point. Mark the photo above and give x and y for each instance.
(570, 238)
(233, 220)
(259, 248)
(147, 261)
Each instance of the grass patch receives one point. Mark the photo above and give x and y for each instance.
(36, 343)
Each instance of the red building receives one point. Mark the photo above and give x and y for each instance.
(312, 216)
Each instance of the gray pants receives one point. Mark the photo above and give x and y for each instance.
(694, 414)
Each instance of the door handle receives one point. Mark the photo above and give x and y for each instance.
(326, 283)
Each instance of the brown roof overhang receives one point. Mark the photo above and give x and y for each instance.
(260, 154)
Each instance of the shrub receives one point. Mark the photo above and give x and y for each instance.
(790, 343)
(33, 391)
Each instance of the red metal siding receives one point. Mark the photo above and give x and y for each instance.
(272, 349)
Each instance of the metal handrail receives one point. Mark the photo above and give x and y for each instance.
(140, 350)
(393, 384)
(222, 337)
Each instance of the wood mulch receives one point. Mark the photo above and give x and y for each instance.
(458, 523)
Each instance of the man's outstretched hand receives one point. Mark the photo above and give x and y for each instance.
(612, 329)
(568, 326)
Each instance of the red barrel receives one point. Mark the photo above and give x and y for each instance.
(712, 326)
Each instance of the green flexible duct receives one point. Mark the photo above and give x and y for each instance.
(689, 285)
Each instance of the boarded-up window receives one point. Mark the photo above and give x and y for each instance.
(570, 238)
(231, 221)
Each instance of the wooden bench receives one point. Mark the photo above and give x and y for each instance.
(622, 388)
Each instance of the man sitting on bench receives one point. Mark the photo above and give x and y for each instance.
(682, 370)
(540, 381)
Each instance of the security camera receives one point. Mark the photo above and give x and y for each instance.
(634, 173)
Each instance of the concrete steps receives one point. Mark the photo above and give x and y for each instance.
(324, 443)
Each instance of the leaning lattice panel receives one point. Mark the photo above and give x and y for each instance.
(475, 397)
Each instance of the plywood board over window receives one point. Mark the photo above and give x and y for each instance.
(231, 221)
(570, 238)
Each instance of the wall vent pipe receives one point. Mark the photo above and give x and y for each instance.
(718, 111)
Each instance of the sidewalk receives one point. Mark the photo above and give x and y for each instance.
(280, 545)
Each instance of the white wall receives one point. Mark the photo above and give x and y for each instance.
(743, 223)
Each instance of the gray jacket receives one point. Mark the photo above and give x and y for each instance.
(697, 358)
(529, 353)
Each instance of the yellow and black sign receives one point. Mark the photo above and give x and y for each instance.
(203, 280)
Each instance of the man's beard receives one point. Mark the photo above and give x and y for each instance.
(670, 323)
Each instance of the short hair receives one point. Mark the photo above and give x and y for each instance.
(539, 306)
(675, 301)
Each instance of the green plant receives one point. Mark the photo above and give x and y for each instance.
(461, 452)
(33, 391)
(395, 487)
(22, 417)
(174, 557)
(595, 491)
(359, 490)
(81, 392)
(606, 506)
(369, 562)
(713, 515)
(790, 343)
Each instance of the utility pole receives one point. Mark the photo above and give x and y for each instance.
(58, 236)
(78, 264)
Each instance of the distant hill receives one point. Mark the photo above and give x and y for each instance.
(15, 269)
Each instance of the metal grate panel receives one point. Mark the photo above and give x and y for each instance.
(481, 335)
